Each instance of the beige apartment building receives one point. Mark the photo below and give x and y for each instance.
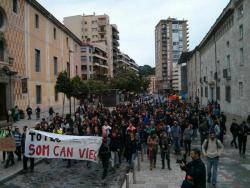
(96, 29)
(171, 39)
(125, 62)
(152, 84)
(94, 61)
(34, 48)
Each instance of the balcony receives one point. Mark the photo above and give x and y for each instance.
(102, 21)
(116, 37)
(115, 43)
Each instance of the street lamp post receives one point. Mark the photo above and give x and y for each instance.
(70, 51)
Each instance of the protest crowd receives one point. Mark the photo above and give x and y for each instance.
(146, 129)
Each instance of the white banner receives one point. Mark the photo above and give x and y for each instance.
(39, 144)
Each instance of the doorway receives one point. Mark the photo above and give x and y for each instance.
(2, 101)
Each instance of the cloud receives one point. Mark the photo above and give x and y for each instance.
(136, 19)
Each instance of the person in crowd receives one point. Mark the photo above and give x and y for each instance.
(25, 159)
(234, 131)
(18, 138)
(203, 129)
(38, 111)
(153, 142)
(104, 155)
(195, 171)
(187, 137)
(212, 149)
(10, 161)
(176, 136)
(115, 146)
(29, 112)
(243, 131)
(131, 148)
(165, 144)
(51, 113)
(16, 114)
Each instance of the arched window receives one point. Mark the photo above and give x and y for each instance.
(1, 51)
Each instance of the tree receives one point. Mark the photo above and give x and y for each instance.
(146, 70)
(63, 85)
(129, 81)
(79, 89)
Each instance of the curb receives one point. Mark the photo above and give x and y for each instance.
(16, 173)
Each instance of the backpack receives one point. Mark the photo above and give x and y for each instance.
(207, 142)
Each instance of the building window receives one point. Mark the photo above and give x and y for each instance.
(83, 58)
(38, 94)
(86, 22)
(228, 62)
(36, 21)
(68, 69)
(241, 31)
(201, 91)
(54, 33)
(24, 85)
(90, 59)
(56, 95)
(241, 89)
(75, 47)
(228, 93)
(240, 11)
(83, 49)
(206, 92)
(67, 41)
(241, 56)
(218, 93)
(37, 60)
(76, 69)
(55, 66)
(1, 51)
(1, 19)
(228, 44)
(15, 6)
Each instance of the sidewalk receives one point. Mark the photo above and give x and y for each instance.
(158, 178)
(8, 173)
(233, 171)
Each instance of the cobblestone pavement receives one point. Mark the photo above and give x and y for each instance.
(233, 172)
(56, 174)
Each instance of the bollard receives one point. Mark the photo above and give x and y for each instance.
(127, 180)
(139, 161)
(142, 152)
(134, 178)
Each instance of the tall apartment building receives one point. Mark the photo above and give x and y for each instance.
(218, 68)
(93, 61)
(34, 48)
(96, 29)
(171, 39)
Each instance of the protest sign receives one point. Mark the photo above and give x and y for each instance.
(7, 144)
(39, 144)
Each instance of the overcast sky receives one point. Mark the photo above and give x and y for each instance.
(136, 19)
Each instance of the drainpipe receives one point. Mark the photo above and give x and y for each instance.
(215, 58)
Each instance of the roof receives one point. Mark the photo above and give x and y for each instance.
(185, 56)
(226, 11)
(49, 16)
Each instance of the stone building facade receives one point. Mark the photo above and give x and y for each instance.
(218, 69)
(35, 47)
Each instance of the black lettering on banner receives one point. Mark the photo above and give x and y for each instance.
(32, 136)
(38, 137)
